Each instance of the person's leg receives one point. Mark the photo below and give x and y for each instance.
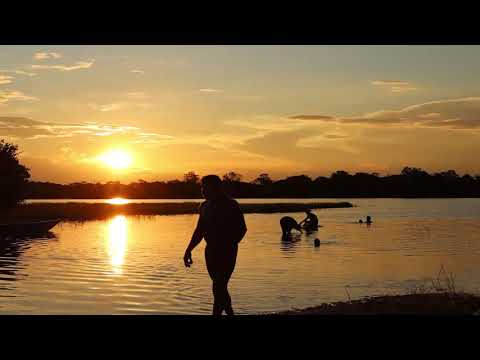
(228, 303)
(218, 306)
(212, 268)
(220, 266)
(230, 267)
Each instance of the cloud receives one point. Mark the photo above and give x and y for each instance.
(47, 55)
(8, 95)
(311, 117)
(209, 90)
(390, 82)
(395, 86)
(151, 138)
(462, 113)
(78, 65)
(106, 107)
(118, 106)
(137, 71)
(5, 79)
(33, 130)
(18, 72)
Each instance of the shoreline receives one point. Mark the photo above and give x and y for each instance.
(428, 304)
(94, 211)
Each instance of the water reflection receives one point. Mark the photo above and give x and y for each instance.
(117, 201)
(117, 242)
(288, 242)
(11, 248)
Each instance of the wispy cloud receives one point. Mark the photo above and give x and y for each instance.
(462, 113)
(311, 117)
(34, 130)
(18, 72)
(137, 71)
(106, 107)
(118, 106)
(5, 79)
(395, 86)
(390, 82)
(76, 66)
(8, 95)
(209, 90)
(46, 55)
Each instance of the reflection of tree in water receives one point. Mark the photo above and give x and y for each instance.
(10, 251)
(289, 241)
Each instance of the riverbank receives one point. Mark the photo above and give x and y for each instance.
(444, 303)
(89, 211)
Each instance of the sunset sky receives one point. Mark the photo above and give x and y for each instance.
(101, 113)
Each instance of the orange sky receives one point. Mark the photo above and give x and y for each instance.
(284, 110)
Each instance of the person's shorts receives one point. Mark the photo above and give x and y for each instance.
(221, 261)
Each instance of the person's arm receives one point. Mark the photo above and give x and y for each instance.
(196, 239)
(301, 222)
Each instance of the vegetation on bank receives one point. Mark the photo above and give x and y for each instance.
(408, 304)
(439, 296)
(13, 177)
(411, 182)
(88, 211)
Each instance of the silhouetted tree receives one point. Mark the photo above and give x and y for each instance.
(191, 178)
(408, 171)
(412, 182)
(13, 176)
(263, 179)
(232, 177)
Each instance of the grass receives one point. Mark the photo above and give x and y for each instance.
(88, 211)
(439, 296)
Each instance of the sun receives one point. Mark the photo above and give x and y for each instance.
(116, 159)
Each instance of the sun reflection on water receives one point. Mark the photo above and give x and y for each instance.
(117, 242)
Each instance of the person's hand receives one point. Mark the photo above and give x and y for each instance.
(187, 258)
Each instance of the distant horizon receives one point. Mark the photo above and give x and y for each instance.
(252, 178)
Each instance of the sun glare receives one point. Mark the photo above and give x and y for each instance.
(117, 201)
(116, 159)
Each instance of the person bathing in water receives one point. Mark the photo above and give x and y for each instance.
(311, 221)
(222, 225)
(287, 224)
(368, 221)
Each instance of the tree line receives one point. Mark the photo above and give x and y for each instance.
(411, 182)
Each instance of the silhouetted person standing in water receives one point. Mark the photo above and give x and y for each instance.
(222, 224)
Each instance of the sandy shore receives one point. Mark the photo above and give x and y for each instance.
(88, 211)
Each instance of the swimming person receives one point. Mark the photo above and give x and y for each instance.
(288, 223)
(222, 225)
(369, 220)
(311, 221)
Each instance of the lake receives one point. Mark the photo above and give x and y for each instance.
(133, 265)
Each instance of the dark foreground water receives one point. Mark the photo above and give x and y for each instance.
(133, 265)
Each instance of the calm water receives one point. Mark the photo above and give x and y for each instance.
(133, 265)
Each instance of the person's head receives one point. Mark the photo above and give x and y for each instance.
(369, 219)
(211, 186)
(308, 211)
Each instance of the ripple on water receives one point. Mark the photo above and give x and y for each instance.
(96, 268)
